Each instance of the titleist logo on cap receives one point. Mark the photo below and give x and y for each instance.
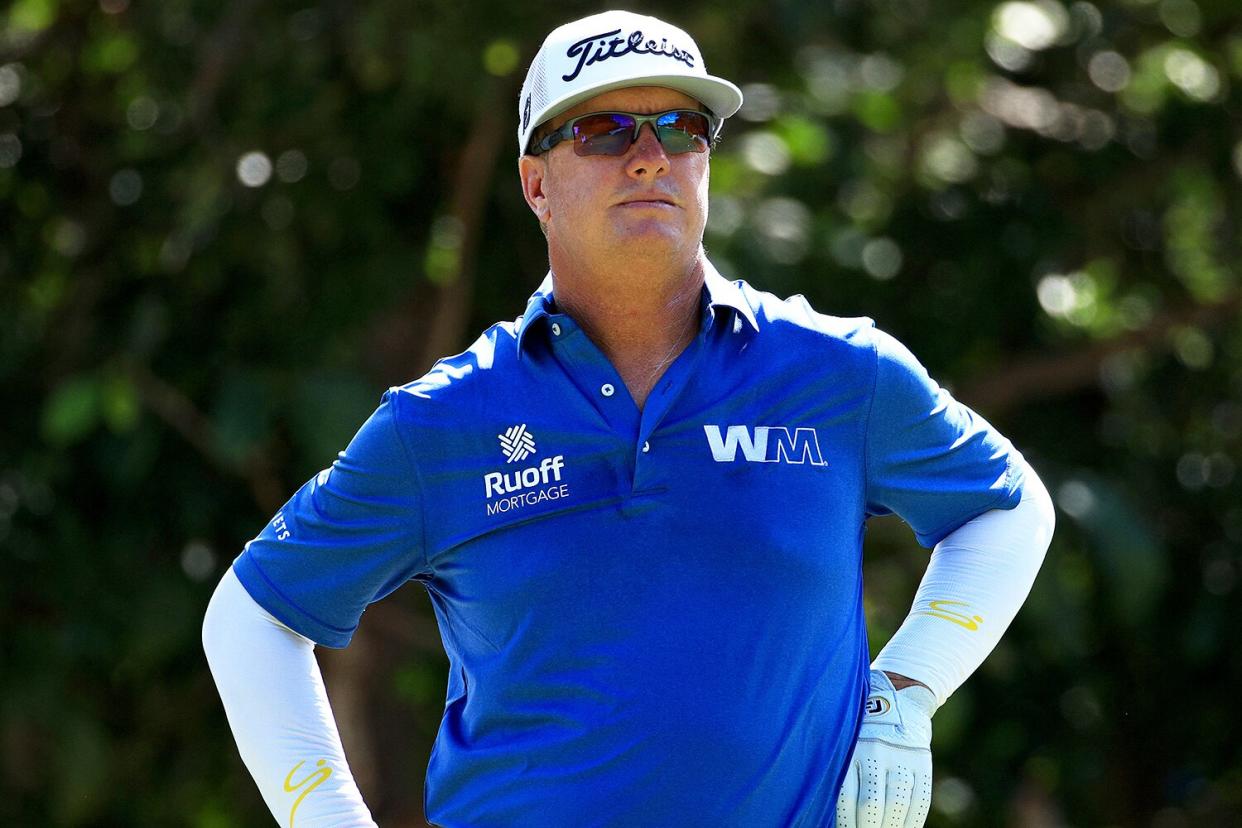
(620, 47)
(643, 50)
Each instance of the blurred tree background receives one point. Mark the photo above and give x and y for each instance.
(225, 228)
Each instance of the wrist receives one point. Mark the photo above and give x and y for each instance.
(911, 690)
(901, 682)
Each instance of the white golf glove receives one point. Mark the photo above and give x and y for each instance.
(889, 781)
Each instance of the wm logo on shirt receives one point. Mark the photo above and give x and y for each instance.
(765, 444)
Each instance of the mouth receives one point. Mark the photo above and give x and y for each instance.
(655, 201)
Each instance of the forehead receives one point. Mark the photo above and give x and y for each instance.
(640, 99)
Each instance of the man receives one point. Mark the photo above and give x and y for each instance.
(639, 511)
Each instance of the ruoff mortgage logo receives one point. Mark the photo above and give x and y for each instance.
(507, 491)
(517, 443)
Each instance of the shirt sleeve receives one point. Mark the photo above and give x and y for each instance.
(929, 458)
(349, 536)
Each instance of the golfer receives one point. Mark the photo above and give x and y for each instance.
(638, 510)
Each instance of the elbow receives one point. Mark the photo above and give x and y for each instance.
(1044, 511)
(211, 622)
(214, 631)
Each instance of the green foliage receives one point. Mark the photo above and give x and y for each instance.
(225, 228)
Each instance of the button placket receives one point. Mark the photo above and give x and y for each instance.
(598, 383)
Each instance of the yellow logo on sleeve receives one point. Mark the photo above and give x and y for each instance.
(315, 779)
(938, 609)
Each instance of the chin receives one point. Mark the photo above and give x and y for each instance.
(650, 229)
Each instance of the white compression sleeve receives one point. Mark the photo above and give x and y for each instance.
(977, 579)
(277, 706)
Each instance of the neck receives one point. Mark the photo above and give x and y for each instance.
(641, 322)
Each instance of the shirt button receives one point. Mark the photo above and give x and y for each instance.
(646, 447)
(606, 389)
(556, 329)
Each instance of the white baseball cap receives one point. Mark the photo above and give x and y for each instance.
(612, 50)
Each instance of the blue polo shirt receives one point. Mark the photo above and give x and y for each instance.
(651, 617)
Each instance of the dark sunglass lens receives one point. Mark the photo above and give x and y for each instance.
(684, 131)
(603, 134)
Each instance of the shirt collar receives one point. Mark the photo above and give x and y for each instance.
(537, 307)
(722, 292)
(719, 292)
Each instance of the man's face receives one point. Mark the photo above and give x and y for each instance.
(645, 203)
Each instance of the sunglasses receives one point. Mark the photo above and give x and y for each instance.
(613, 133)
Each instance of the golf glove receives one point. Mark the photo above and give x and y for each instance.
(889, 781)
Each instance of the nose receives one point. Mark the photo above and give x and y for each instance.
(647, 157)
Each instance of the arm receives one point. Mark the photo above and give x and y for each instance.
(977, 579)
(278, 709)
(348, 537)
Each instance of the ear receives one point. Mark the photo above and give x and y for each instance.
(533, 170)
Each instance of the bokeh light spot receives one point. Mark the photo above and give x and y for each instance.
(947, 159)
(198, 560)
(10, 83)
(254, 169)
(1095, 130)
(784, 226)
(68, 237)
(1081, 707)
(760, 102)
(142, 113)
(10, 150)
(846, 246)
(1032, 25)
(1192, 347)
(882, 258)
(863, 202)
(1056, 294)
(1006, 54)
(1086, 20)
(1181, 17)
(1192, 74)
(344, 173)
(1192, 471)
(291, 166)
(765, 152)
(1109, 71)
(725, 215)
(828, 79)
(1075, 499)
(31, 16)
(501, 57)
(952, 797)
(880, 72)
(125, 187)
(983, 133)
